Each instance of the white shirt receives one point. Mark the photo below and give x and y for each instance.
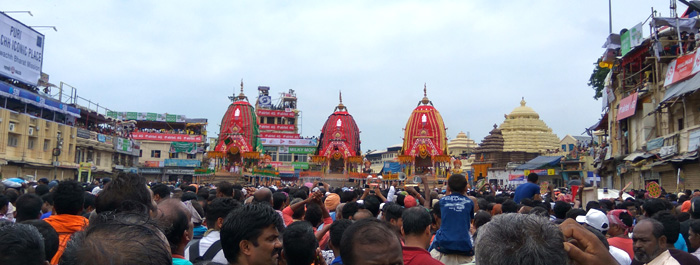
(664, 258)
(205, 243)
(620, 256)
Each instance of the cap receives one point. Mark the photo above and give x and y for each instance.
(614, 217)
(596, 219)
(332, 201)
(409, 201)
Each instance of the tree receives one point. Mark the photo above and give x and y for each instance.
(597, 80)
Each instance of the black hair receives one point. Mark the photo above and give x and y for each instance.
(278, 199)
(21, 245)
(626, 219)
(299, 243)
(574, 212)
(399, 199)
(527, 202)
(539, 210)
(41, 189)
(118, 238)
(368, 231)
(592, 205)
(694, 225)
(457, 183)
(225, 187)
(350, 209)
(89, 200)
(28, 207)
(532, 177)
(337, 229)
(12, 194)
(436, 210)
(671, 225)
(653, 206)
(188, 196)
(68, 197)
(509, 206)
(161, 190)
(48, 233)
(219, 208)
(314, 214)
(560, 209)
(483, 203)
(392, 211)
(415, 220)
(189, 188)
(3, 201)
(372, 203)
(481, 218)
(47, 198)
(238, 195)
(247, 223)
(124, 190)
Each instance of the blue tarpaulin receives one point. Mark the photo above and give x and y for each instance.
(391, 167)
(539, 162)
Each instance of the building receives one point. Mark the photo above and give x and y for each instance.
(462, 148)
(339, 144)
(378, 158)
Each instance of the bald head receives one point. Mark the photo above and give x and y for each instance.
(173, 215)
(263, 195)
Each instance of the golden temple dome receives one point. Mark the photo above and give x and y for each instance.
(461, 144)
(523, 131)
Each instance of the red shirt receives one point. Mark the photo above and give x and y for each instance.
(414, 255)
(622, 243)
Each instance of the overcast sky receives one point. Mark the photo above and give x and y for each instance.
(478, 58)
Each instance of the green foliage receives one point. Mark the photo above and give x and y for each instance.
(597, 80)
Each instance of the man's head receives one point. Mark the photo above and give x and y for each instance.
(160, 192)
(68, 197)
(126, 192)
(392, 214)
(21, 245)
(370, 241)
(671, 226)
(48, 233)
(560, 209)
(218, 209)
(653, 206)
(362, 214)
(224, 189)
(121, 238)
(28, 207)
(336, 233)
(695, 208)
(531, 240)
(532, 177)
(457, 183)
(263, 195)
(279, 200)
(596, 219)
(349, 210)
(693, 234)
(416, 225)
(299, 243)
(175, 220)
(332, 202)
(252, 232)
(648, 240)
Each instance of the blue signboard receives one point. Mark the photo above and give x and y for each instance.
(182, 163)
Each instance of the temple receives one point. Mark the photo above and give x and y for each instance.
(523, 131)
(425, 140)
(339, 150)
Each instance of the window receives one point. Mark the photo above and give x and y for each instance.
(140, 153)
(173, 155)
(300, 158)
(191, 156)
(98, 159)
(571, 147)
(285, 158)
(30, 143)
(155, 153)
(47, 143)
(12, 140)
(680, 124)
(563, 147)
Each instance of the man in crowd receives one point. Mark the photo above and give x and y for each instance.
(224, 189)
(209, 247)
(337, 229)
(299, 244)
(250, 234)
(529, 190)
(417, 235)
(160, 192)
(21, 244)
(48, 233)
(28, 207)
(452, 244)
(370, 241)
(68, 205)
(175, 219)
(650, 244)
(263, 195)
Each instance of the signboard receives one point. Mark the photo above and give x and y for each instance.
(270, 148)
(82, 133)
(179, 171)
(146, 116)
(183, 147)
(275, 113)
(682, 67)
(302, 150)
(288, 142)
(123, 144)
(516, 177)
(182, 163)
(277, 127)
(630, 39)
(285, 169)
(166, 137)
(151, 170)
(540, 172)
(154, 163)
(300, 165)
(280, 135)
(627, 106)
(21, 51)
(265, 101)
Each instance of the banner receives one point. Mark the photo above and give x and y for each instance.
(183, 147)
(302, 150)
(153, 163)
(275, 113)
(280, 135)
(682, 67)
(123, 144)
(288, 142)
(630, 39)
(182, 163)
(146, 116)
(166, 137)
(277, 127)
(21, 51)
(300, 165)
(627, 106)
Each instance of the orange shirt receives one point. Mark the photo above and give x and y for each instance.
(65, 225)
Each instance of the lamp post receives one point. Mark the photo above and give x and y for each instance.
(56, 153)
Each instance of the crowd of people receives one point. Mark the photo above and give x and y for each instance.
(126, 220)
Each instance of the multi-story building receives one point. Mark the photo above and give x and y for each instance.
(651, 117)
(171, 146)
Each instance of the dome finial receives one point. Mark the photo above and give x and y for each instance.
(425, 100)
(340, 106)
(522, 102)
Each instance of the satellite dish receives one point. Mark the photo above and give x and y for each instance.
(402, 176)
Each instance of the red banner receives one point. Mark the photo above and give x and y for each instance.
(627, 106)
(280, 135)
(275, 113)
(166, 137)
(682, 68)
(277, 127)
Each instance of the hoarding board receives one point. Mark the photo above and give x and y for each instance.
(21, 51)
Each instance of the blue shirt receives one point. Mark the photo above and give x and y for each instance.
(526, 191)
(337, 260)
(47, 214)
(457, 211)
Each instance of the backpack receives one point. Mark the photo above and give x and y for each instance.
(209, 255)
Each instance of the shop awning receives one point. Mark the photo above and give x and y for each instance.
(637, 155)
(682, 88)
(601, 124)
(539, 162)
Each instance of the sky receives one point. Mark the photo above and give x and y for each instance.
(477, 58)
